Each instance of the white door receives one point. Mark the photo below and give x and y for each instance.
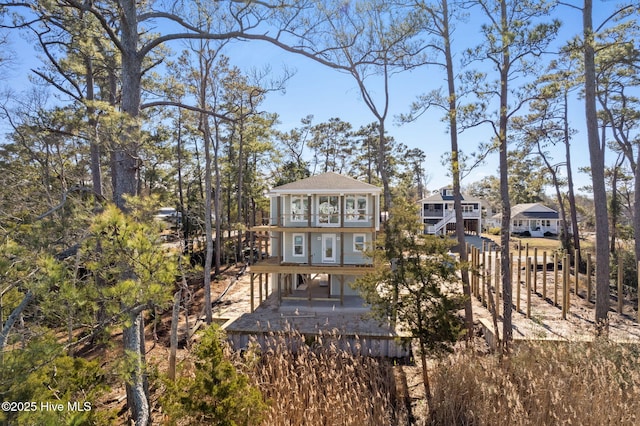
(328, 248)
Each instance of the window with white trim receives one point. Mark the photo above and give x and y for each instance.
(298, 245)
(355, 207)
(299, 208)
(329, 209)
(359, 241)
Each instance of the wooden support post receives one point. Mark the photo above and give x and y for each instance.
(252, 291)
(474, 274)
(589, 289)
(488, 272)
(544, 274)
(520, 249)
(483, 277)
(620, 295)
(519, 267)
(259, 287)
(497, 281)
(341, 290)
(527, 273)
(576, 270)
(564, 286)
(511, 277)
(535, 269)
(279, 289)
(528, 280)
(568, 262)
(555, 278)
(266, 286)
(518, 283)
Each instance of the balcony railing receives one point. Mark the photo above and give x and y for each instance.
(351, 219)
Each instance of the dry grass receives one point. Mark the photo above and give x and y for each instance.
(540, 384)
(320, 384)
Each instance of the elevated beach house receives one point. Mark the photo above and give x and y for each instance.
(439, 217)
(532, 218)
(318, 231)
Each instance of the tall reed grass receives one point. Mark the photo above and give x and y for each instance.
(543, 383)
(314, 382)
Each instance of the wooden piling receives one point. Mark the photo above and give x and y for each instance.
(535, 269)
(252, 292)
(496, 280)
(528, 283)
(555, 278)
(511, 276)
(544, 274)
(483, 278)
(564, 287)
(488, 275)
(518, 284)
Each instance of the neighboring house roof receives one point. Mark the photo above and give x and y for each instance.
(437, 196)
(530, 211)
(329, 182)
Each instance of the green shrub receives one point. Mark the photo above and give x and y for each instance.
(494, 231)
(209, 389)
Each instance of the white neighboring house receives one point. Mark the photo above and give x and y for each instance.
(438, 215)
(534, 218)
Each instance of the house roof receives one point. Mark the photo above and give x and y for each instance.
(329, 182)
(530, 211)
(437, 196)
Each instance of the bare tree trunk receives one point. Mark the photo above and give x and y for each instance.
(216, 199)
(455, 171)
(425, 374)
(175, 316)
(573, 211)
(240, 193)
(382, 165)
(13, 317)
(207, 220)
(507, 332)
(137, 393)
(614, 208)
(596, 154)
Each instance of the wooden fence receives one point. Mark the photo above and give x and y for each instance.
(550, 275)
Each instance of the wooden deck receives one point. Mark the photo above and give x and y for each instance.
(348, 323)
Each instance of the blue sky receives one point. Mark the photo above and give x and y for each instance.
(325, 93)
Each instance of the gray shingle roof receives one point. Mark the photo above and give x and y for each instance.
(531, 210)
(327, 182)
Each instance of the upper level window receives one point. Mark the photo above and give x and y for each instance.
(467, 208)
(359, 241)
(355, 208)
(329, 209)
(299, 208)
(298, 245)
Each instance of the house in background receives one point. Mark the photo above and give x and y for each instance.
(534, 218)
(438, 215)
(319, 229)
